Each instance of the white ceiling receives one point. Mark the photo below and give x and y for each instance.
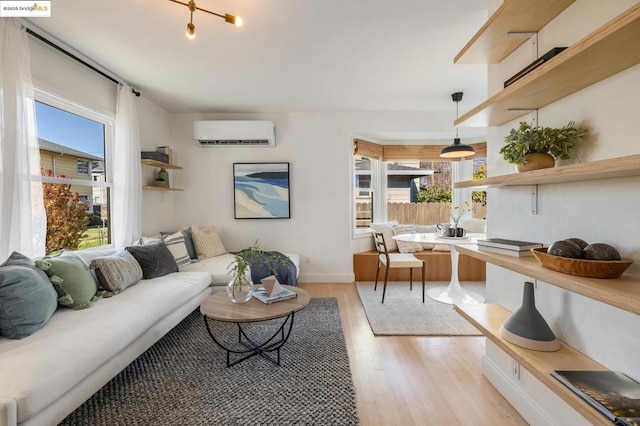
(289, 56)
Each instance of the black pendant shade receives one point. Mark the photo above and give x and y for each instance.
(457, 149)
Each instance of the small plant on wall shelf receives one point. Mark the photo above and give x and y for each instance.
(531, 148)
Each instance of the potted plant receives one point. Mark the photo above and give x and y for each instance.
(240, 286)
(531, 148)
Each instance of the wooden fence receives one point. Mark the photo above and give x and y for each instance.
(415, 213)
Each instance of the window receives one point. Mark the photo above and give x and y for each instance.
(83, 168)
(365, 177)
(77, 185)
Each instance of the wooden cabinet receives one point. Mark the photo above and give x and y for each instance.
(608, 50)
(160, 164)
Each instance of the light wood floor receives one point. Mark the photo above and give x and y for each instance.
(409, 380)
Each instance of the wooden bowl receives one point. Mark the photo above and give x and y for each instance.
(581, 267)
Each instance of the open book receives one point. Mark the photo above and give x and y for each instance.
(611, 393)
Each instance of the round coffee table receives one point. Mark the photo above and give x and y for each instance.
(218, 307)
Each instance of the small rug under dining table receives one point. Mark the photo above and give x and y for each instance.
(404, 314)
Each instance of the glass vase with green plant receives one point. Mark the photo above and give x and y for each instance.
(240, 287)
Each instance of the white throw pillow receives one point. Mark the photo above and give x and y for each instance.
(406, 246)
(387, 231)
(207, 242)
(441, 247)
(176, 245)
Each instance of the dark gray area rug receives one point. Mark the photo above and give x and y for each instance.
(183, 379)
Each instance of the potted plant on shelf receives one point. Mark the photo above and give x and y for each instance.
(531, 148)
(240, 286)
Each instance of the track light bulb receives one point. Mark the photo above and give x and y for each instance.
(231, 19)
(191, 31)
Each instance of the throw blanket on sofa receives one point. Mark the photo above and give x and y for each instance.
(285, 269)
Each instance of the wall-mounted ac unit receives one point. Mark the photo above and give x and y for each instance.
(234, 133)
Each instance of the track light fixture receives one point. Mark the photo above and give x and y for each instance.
(191, 29)
(457, 149)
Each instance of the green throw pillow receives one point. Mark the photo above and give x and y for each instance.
(71, 278)
(27, 299)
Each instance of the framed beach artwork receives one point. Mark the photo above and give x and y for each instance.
(261, 191)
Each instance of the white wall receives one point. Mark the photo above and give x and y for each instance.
(596, 211)
(319, 148)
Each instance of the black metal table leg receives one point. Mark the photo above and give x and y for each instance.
(253, 347)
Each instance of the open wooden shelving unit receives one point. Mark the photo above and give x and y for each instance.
(161, 188)
(489, 317)
(601, 169)
(608, 50)
(160, 164)
(491, 45)
(622, 293)
(155, 163)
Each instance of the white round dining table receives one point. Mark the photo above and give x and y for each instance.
(453, 294)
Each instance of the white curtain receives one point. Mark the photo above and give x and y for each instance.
(460, 171)
(127, 186)
(23, 221)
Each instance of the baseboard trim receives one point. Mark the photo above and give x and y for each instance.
(515, 395)
(326, 278)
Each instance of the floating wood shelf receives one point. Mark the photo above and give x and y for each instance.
(601, 169)
(155, 163)
(608, 50)
(622, 293)
(489, 317)
(161, 188)
(491, 44)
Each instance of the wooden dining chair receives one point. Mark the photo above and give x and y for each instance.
(395, 260)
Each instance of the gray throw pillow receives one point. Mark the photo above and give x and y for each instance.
(71, 278)
(27, 298)
(155, 259)
(117, 272)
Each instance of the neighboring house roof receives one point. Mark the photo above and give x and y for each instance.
(393, 169)
(61, 149)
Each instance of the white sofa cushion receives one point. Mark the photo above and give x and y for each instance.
(38, 369)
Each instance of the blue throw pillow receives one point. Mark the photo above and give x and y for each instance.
(27, 298)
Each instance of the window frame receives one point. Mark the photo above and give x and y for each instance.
(378, 194)
(107, 119)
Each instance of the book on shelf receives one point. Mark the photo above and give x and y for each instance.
(533, 65)
(612, 393)
(506, 252)
(262, 295)
(504, 243)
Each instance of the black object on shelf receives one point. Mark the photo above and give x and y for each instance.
(154, 155)
(533, 65)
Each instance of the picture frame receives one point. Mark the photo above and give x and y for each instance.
(261, 191)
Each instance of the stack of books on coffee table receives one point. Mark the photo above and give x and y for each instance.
(506, 247)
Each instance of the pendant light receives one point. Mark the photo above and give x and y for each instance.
(457, 149)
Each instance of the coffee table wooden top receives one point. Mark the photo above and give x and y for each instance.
(219, 307)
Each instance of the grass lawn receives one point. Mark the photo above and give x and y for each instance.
(94, 237)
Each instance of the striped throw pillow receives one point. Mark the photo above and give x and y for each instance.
(207, 242)
(176, 245)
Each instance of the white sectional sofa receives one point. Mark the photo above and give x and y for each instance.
(45, 376)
